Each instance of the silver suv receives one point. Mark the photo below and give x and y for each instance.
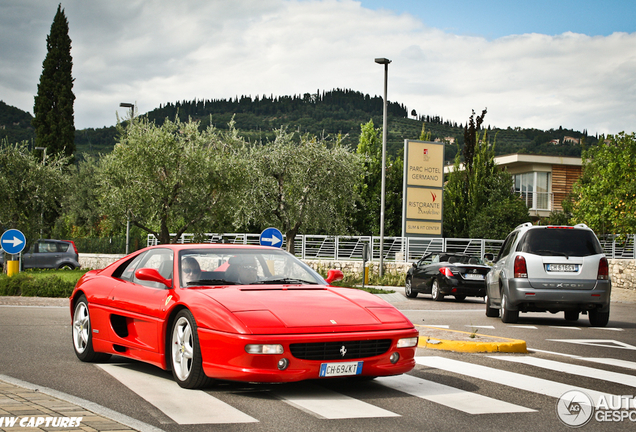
(550, 269)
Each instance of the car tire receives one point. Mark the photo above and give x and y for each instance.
(598, 318)
(491, 312)
(408, 289)
(460, 297)
(185, 353)
(435, 293)
(66, 267)
(571, 315)
(82, 333)
(508, 316)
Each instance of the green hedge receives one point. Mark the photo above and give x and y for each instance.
(26, 285)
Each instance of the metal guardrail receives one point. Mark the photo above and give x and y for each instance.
(399, 249)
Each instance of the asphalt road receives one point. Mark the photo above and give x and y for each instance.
(446, 391)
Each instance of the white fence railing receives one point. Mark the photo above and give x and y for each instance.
(401, 249)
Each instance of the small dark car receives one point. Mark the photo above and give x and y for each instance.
(440, 274)
(50, 254)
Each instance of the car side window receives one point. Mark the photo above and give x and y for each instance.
(158, 259)
(127, 271)
(435, 259)
(426, 260)
(505, 249)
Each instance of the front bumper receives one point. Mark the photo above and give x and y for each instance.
(224, 356)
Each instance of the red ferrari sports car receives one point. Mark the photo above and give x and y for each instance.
(245, 313)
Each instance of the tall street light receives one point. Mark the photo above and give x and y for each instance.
(132, 114)
(385, 62)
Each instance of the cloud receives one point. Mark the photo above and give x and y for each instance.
(152, 52)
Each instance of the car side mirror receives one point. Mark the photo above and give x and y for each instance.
(152, 275)
(490, 257)
(334, 276)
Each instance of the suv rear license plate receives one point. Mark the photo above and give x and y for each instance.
(340, 369)
(476, 276)
(562, 267)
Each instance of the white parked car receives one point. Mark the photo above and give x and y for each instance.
(550, 269)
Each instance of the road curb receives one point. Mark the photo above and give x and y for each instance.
(460, 341)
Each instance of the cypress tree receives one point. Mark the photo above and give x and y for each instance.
(53, 109)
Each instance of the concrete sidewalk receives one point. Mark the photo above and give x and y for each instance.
(27, 407)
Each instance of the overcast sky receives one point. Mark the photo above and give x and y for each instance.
(539, 63)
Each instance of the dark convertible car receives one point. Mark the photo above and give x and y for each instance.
(441, 274)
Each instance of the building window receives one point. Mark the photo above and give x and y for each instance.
(534, 188)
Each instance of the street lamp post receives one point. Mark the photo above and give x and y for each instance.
(385, 62)
(132, 114)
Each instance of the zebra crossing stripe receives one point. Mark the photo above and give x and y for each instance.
(573, 369)
(181, 405)
(328, 404)
(511, 379)
(468, 402)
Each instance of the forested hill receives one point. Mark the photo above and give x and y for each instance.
(330, 113)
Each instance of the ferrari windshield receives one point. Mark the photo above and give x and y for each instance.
(243, 266)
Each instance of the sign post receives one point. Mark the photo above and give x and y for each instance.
(13, 242)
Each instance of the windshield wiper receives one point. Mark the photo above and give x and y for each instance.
(551, 252)
(210, 282)
(284, 281)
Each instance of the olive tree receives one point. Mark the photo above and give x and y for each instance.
(308, 184)
(171, 178)
(32, 189)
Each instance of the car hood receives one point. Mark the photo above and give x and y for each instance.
(318, 307)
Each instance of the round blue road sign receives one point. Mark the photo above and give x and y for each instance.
(271, 237)
(13, 241)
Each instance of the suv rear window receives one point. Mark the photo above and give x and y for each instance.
(560, 241)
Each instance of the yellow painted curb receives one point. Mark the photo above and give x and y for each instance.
(462, 342)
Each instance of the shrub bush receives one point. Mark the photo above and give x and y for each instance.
(23, 284)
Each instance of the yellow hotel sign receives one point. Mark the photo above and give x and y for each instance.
(425, 164)
(423, 188)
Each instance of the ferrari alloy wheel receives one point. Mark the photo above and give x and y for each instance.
(82, 333)
(186, 361)
(491, 312)
(435, 293)
(408, 289)
(507, 315)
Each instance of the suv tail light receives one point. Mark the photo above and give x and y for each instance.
(603, 269)
(446, 272)
(521, 271)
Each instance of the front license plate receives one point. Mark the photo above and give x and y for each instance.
(562, 267)
(340, 369)
(475, 276)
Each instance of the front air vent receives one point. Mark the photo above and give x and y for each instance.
(355, 349)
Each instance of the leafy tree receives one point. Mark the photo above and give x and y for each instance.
(81, 213)
(171, 178)
(308, 184)
(53, 109)
(369, 188)
(31, 190)
(604, 197)
(478, 197)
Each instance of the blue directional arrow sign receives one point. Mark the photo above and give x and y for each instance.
(13, 241)
(271, 237)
